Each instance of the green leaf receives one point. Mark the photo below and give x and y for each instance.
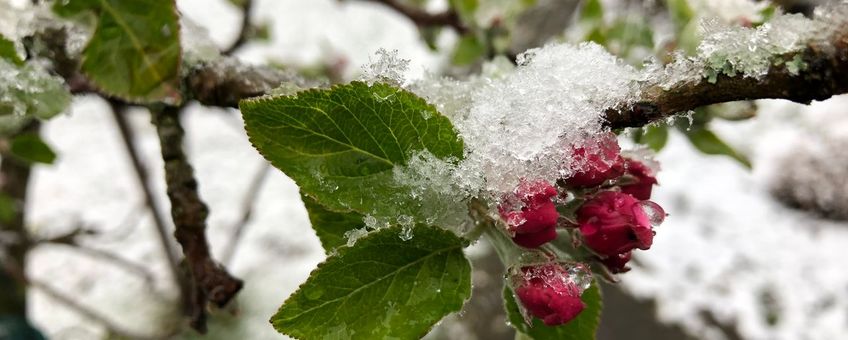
(342, 144)
(680, 12)
(707, 142)
(8, 208)
(468, 50)
(135, 50)
(653, 136)
(631, 33)
(31, 148)
(465, 8)
(35, 93)
(331, 226)
(380, 288)
(583, 327)
(9, 52)
(592, 12)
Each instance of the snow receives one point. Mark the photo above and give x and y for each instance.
(728, 242)
(387, 68)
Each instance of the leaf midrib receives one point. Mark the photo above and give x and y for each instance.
(133, 39)
(394, 272)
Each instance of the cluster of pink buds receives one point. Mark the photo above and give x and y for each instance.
(614, 218)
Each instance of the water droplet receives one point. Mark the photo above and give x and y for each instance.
(655, 213)
(406, 233)
(580, 275)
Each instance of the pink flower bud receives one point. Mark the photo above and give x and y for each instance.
(530, 214)
(613, 223)
(645, 180)
(596, 162)
(618, 263)
(534, 240)
(550, 292)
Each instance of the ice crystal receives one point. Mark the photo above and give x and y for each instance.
(731, 49)
(523, 124)
(388, 68)
(30, 91)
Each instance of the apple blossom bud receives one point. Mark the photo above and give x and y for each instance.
(551, 291)
(596, 162)
(530, 215)
(644, 177)
(617, 263)
(613, 222)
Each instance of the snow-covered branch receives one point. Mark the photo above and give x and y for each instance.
(816, 70)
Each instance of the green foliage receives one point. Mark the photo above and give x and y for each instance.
(14, 327)
(34, 94)
(383, 287)
(583, 327)
(342, 144)
(7, 208)
(135, 50)
(29, 147)
(465, 8)
(592, 12)
(653, 136)
(331, 226)
(681, 12)
(468, 50)
(619, 36)
(8, 51)
(709, 143)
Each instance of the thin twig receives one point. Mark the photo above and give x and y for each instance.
(250, 198)
(90, 313)
(128, 137)
(421, 18)
(120, 262)
(210, 281)
(246, 28)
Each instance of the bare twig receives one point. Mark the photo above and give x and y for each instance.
(210, 281)
(246, 28)
(131, 267)
(422, 18)
(90, 313)
(825, 75)
(128, 137)
(251, 195)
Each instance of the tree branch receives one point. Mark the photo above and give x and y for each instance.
(250, 198)
(210, 281)
(14, 182)
(422, 18)
(225, 81)
(825, 75)
(128, 137)
(246, 28)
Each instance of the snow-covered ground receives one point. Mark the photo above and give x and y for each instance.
(728, 247)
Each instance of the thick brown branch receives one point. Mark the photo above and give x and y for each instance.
(225, 81)
(422, 18)
(210, 281)
(128, 137)
(825, 74)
